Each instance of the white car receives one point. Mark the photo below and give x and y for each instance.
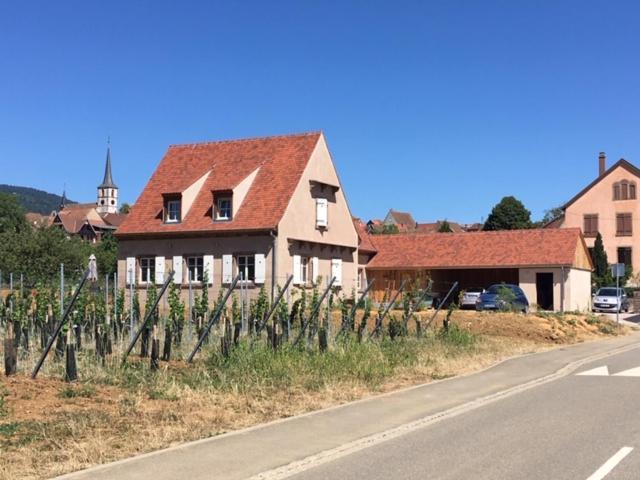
(610, 299)
(470, 297)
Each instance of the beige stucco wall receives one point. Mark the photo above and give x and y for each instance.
(599, 200)
(339, 240)
(577, 287)
(214, 245)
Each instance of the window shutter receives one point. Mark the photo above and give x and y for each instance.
(315, 269)
(259, 268)
(321, 212)
(130, 274)
(177, 269)
(227, 264)
(207, 266)
(336, 271)
(297, 277)
(159, 270)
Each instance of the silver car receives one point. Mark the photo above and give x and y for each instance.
(610, 299)
(470, 297)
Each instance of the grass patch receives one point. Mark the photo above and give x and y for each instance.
(8, 429)
(79, 391)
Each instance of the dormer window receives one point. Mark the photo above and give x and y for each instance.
(223, 211)
(172, 210)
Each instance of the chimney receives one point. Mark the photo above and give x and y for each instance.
(602, 163)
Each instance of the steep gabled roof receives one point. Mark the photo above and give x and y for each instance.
(364, 239)
(620, 163)
(281, 161)
(498, 249)
(402, 218)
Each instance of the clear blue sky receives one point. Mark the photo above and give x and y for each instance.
(440, 108)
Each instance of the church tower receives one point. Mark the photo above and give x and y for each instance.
(107, 190)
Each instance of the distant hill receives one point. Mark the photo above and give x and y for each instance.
(34, 200)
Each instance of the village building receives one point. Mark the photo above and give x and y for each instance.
(91, 221)
(262, 209)
(552, 267)
(608, 205)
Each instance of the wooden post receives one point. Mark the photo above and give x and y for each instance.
(155, 349)
(10, 351)
(71, 370)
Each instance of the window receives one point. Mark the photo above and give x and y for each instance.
(195, 269)
(624, 190)
(246, 267)
(223, 208)
(624, 256)
(321, 213)
(590, 228)
(359, 279)
(172, 211)
(623, 225)
(147, 269)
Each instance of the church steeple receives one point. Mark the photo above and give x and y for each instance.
(107, 190)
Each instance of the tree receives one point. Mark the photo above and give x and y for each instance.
(508, 214)
(107, 254)
(125, 208)
(601, 274)
(445, 227)
(552, 214)
(12, 219)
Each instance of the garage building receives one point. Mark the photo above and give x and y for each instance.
(552, 266)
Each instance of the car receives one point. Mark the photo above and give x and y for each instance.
(610, 299)
(503, 296)
(470, 296)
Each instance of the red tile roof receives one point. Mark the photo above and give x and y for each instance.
(435, 226)
(364, 239)
(281, 160)
(501, 249)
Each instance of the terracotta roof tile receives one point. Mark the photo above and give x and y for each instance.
(364, 239)
(507, 248)
(281, 160)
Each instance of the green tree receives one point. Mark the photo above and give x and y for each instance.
(12, 219)
(601, 274)
(552, 214)
(445, 227)
(125, 208)
(508, 214)
(107, 254)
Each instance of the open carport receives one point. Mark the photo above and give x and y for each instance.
(552, 266)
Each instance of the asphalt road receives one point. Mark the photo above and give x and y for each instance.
(566, 429)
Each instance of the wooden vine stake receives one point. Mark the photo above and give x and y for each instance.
(10, 351)
(155, 349)
(71, 370)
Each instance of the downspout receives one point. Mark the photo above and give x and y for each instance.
(562, 289)
(274, 236)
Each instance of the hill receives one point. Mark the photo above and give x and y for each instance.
(34, 200)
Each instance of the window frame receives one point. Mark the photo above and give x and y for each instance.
(623, 232)
(218, 208)
(630, 255)
(250, 263)
(148, 265)
(589, 219)
(199, 269)
(168, 210)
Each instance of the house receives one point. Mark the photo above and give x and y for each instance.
(402, 220)
(435, 227)
(552, 266)
(261, 208)
(608, 205)
(91, 221)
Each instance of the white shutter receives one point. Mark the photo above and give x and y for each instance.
(207, 266)
(159, 270)
(321, 212)
(297, 277)
(336, 271)
(131, 271)
(227, 264)
(315, 269)
(260, 272)
(177, 269)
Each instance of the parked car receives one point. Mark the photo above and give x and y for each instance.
(496, 298)
(470, 297)
(610, 299)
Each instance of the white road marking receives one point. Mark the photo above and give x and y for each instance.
(598, 372)
(632, 372)
(610, 464)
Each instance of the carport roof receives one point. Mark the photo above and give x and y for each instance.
(500, 249)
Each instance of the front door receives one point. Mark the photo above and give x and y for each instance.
(544, 289)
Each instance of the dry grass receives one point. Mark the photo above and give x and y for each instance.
(48, 427)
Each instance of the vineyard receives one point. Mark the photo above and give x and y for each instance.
(121, 377)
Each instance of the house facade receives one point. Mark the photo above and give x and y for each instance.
(609, 205)
(262, 209)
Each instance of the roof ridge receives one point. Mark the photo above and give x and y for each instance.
(481, 232)
(246, 139)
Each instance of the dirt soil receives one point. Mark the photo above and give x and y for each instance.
(49, 427)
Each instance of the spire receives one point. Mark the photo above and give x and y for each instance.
(107, 182)
(63, 199)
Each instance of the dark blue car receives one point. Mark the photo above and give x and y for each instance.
(503, 296)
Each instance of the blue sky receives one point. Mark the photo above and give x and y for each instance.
(440, 108)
